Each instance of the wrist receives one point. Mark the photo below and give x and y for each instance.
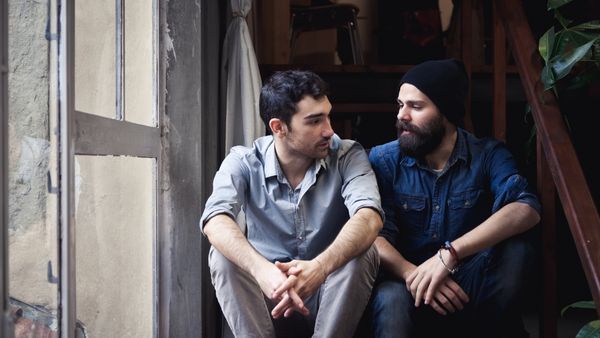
(322, 268)
(447, 260)
(452, 251)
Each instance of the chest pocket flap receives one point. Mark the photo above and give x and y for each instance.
(466, 199)
(406, 203)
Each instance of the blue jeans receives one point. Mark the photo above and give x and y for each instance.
(492, 279)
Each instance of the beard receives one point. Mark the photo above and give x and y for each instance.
(422, 140)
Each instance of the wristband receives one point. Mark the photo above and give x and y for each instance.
(448, 246)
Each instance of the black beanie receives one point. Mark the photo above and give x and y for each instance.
(445, 83)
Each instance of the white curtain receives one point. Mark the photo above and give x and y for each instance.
(241, 80)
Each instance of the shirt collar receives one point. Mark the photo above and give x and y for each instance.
(273, 168)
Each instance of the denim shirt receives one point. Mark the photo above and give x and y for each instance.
(286, 223)
(423, 208)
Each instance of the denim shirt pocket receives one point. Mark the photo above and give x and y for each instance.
(411, 212)
(464, 210)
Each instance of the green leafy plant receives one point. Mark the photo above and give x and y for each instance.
(589, 330)
(570, 49)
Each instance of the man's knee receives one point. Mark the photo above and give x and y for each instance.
(515, 257)
(367, 263)
(221, 268)
(392, 309)
(391, 296)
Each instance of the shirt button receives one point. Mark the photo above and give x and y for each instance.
(467, 203)
(434, 236)
(437, 207)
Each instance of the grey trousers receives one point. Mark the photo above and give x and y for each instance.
(335, 309)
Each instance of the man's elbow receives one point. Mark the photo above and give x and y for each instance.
(531, 216)
(372, 219)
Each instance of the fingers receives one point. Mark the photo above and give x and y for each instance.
(289, 303)
(419, 287)
(297, 301)
(450, 298)
(436, 305)
(285, 286)
(280, 308)
(432, 289)
(284, 267)
(462, 295)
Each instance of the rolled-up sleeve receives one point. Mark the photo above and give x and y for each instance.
(390, 229)
(359, 188)
(507, 184)
(229, 189)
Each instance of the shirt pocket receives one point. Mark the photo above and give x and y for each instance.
(464, 210)
(411, 212)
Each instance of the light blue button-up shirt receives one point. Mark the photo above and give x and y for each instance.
(285, 223)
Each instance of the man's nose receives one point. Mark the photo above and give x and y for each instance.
(327, 129)
(403, 114)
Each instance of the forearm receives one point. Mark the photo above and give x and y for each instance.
(356, 237)
(225, 235)
(512, 219)
(392, 260)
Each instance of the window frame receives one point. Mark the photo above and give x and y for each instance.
(86, 134)
(5, 327)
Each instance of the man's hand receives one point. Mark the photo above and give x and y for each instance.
(449, 297)
(425, 280)
(270, 279)
(303, 278)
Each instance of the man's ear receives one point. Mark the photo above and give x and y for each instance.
(278, 127)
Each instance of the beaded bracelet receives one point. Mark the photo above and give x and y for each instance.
(451, 271)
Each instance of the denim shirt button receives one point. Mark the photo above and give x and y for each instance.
(437, 207)
(434, 236)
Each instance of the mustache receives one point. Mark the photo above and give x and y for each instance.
(406, 126)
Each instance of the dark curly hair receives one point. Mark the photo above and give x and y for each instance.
(283, 90)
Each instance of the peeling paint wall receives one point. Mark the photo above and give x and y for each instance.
(32, 210)
(115, 196)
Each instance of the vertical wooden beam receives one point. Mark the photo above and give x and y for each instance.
(499, 87)
(547, 193)
(466, 40)
(274, 31)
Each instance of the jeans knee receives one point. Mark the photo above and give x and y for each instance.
(391, 296)
(515, 259)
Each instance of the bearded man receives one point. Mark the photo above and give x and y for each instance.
(451, 262)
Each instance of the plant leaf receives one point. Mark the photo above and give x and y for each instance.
(590, 25)
(587, 304)
(554, 4)
(546, 44)
(548, 78)
(590, 330)
(563, 63)
(561, 19)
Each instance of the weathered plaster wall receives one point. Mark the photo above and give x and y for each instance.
(32, 213)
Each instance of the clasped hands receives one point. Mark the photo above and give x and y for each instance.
(431, 284)
(292, 283)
